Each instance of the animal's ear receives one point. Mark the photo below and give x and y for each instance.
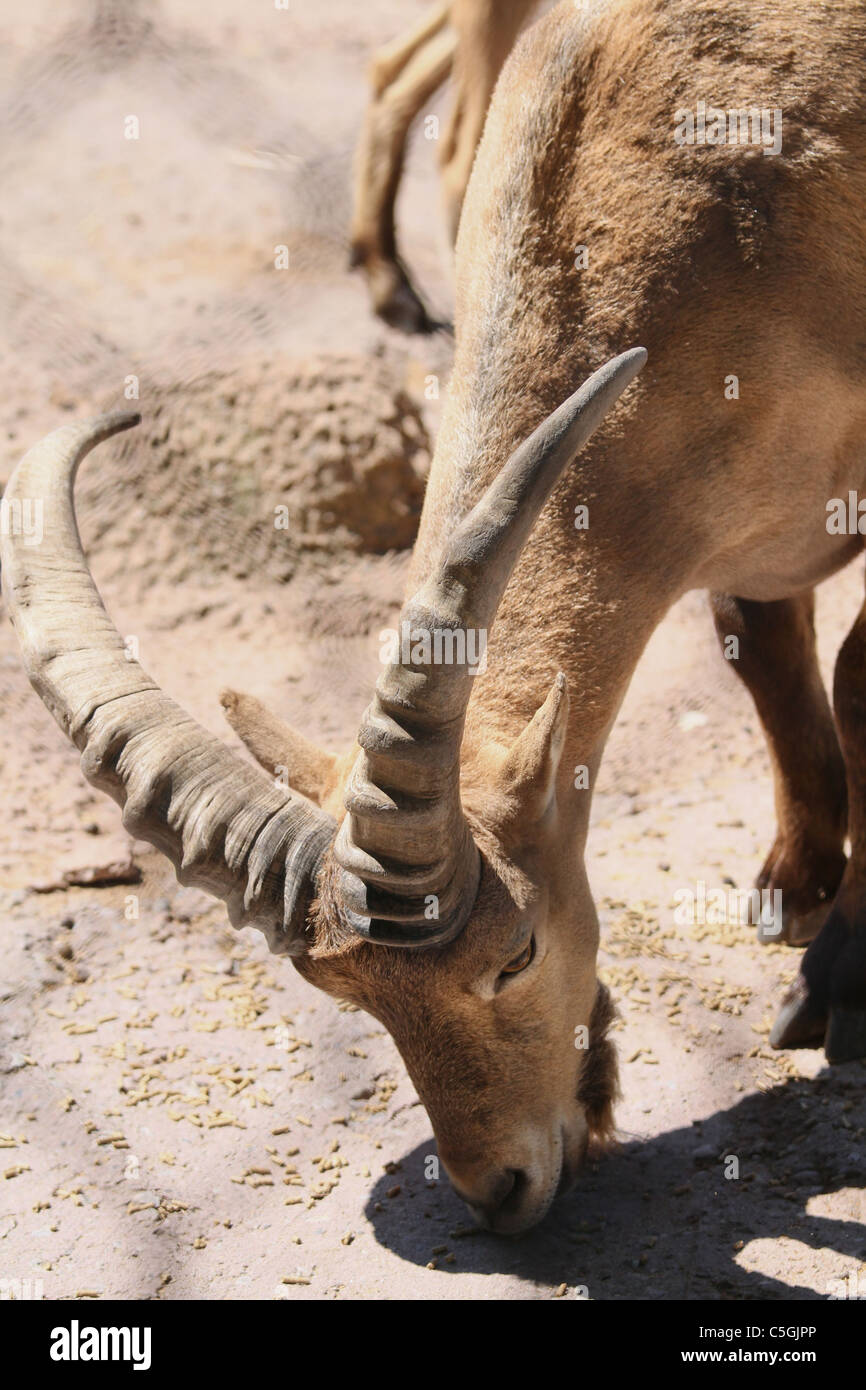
(280, 749)
(526, 775)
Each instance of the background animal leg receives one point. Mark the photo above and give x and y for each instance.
(486, 33)
(404, 76)
(390, 61)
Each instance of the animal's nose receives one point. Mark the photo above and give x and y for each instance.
(495, 1197)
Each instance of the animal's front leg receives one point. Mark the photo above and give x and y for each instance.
(827, 1002)
(776, 660)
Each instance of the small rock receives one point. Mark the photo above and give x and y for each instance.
(691, 719)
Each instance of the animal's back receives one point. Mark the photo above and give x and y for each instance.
(721, 259)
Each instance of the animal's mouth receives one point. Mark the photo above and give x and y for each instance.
(513, 1203)
(571, 1165)
(568, 1176)
(564, 1177)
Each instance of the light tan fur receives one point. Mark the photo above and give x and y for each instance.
(471, 39)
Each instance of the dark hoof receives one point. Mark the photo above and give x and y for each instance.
(827, 1002)
(800, 929)
(807, 878)
(846, 1034)
(799, 1023)
(392, 295)
(403, 310)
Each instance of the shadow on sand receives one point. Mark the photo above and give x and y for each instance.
(657, 1218)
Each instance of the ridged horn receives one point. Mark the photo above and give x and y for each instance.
(409, 864)
(225, 826)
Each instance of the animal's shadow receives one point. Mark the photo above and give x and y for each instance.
(659, 1218)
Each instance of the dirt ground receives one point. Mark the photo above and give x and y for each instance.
(181, 1116)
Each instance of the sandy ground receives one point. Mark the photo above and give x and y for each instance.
(182, 1117)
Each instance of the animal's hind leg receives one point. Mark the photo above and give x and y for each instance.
(827, 1002)
(777, 661)
(403, 77)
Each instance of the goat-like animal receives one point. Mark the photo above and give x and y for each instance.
(440, 881)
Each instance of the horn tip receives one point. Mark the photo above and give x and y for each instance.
(117, 420)
(636, 357)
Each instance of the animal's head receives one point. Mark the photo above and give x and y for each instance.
(435, 892)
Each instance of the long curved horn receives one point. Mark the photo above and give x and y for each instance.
(224, 825)
(409, 864)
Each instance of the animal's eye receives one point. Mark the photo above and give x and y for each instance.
(520, 962)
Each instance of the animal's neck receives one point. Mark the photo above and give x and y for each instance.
(584, 600)
(601, 621)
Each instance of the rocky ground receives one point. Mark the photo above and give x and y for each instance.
(180, 1115)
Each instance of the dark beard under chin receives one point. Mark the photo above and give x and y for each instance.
(599, 1082)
